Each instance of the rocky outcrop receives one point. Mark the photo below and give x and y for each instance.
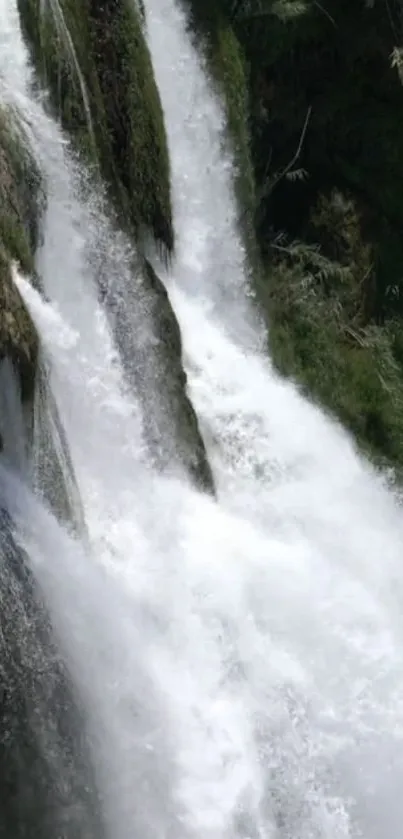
(94, 59)
(148, 338)
(21, 204)
(47, 780)
(95, 62)
(52, 472)
(170, 387)
(19, 197)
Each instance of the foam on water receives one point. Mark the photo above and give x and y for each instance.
(241, 660)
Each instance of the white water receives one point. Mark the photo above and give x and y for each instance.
(241, 661)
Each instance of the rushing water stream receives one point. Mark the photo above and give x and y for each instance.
(240, 661)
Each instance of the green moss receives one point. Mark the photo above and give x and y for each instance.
(212, 26)
(229, 72)
(229, 69)
(96, 63)
(18, 337)
(134, 119)
(20, 199)
(20, 194)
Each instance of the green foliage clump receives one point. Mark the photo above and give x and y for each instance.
(321, 332)
(95, 61)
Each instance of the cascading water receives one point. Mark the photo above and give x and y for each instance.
(240, 662)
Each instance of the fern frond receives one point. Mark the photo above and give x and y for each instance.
(297, 175)
(288, 9)
(396, 60)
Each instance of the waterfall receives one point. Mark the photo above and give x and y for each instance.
(237, 664)
(47, 779)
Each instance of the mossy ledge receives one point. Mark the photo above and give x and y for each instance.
(20, 197)
(94, 59)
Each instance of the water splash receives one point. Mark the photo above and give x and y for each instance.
(240, 661)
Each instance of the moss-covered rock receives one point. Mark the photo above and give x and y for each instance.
(20, 198)
(95, 61)
(230, 75)
(18, 338)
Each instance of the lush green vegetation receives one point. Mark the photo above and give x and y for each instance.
(324, 102)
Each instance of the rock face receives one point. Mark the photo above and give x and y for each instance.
(95, 62)
(94, 59)
(52, 472)
(21, 202)
(47, 786)
(19, 197)
(47, 779)
(171, 382)
(324, 93)
(213, 22)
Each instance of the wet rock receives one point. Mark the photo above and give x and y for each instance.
(47, 780)
(94, 59)
(171, 385)
(20, 205)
